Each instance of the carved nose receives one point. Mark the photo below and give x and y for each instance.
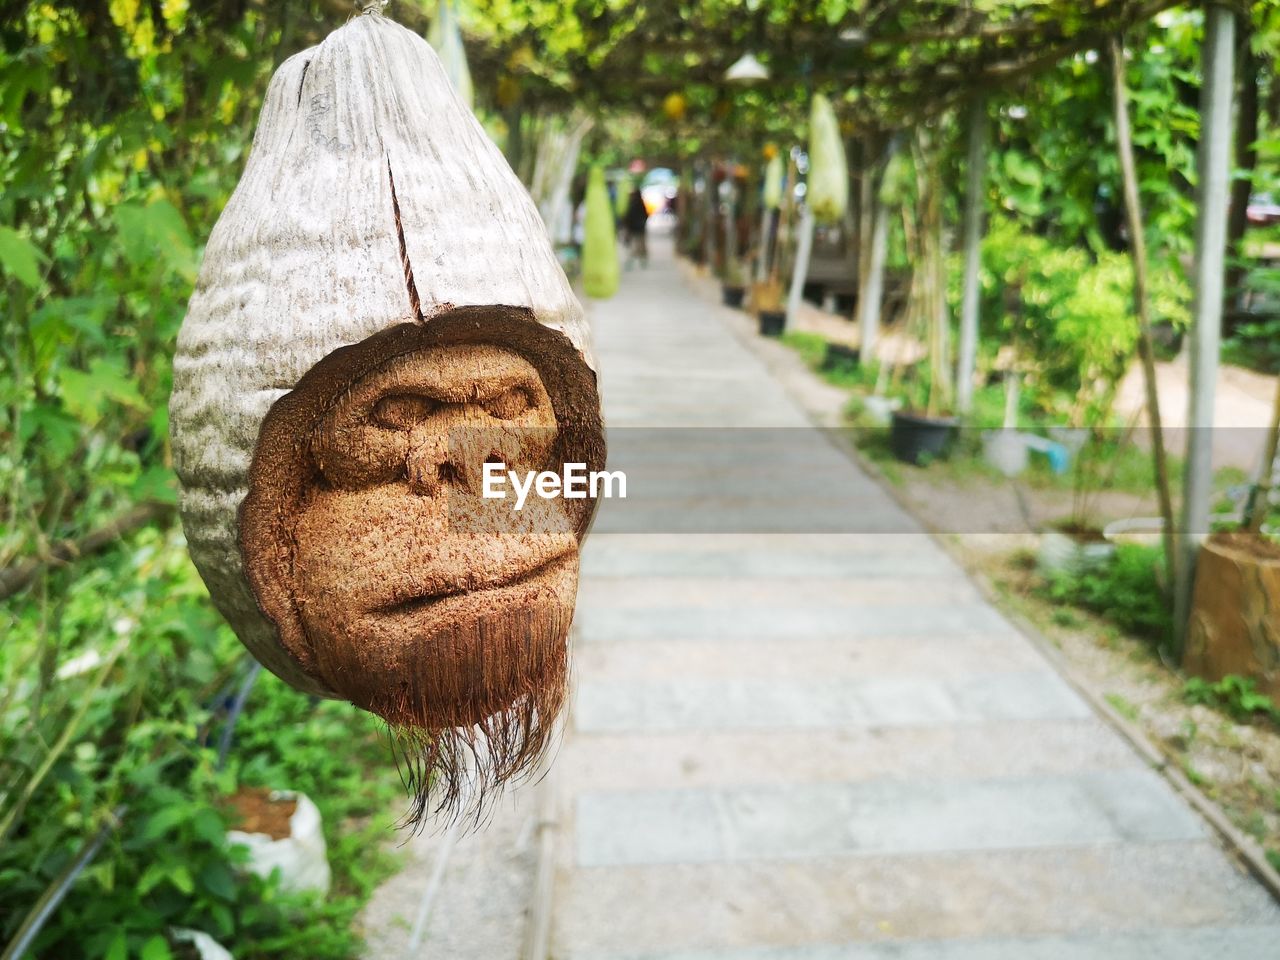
(429, 466)
(449, 453)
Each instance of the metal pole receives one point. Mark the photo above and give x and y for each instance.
(800, 271)
(973, 218)
(1214, 166)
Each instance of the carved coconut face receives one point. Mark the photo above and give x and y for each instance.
(401, 566)
(388, 574)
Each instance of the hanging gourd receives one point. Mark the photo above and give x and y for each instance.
(599, 247)
(828, 187)
(380, 322)
(446, 37)
(773, 174)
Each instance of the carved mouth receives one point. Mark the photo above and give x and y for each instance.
(416, 605)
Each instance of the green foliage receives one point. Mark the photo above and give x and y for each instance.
(1128, 592)
(1233, 694)
(1256, 344)
(109, 713)
(1123, 706)
(1069, 314)
(839, 372)
(812, 347)
(123, 129)
(1055, 168)
(120, 138)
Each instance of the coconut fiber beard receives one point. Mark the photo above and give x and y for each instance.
(379, 314)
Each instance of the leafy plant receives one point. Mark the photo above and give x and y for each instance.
(112, 704)
(1234, 694)
(1127, 592)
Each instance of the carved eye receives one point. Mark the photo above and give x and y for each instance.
(510, 403)
(401, 411)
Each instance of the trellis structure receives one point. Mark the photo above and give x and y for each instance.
(897, 63)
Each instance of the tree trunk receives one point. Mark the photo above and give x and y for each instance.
(1235, 619)
(711, 205)
(801, 268)
(973, 218)
(933, 301)
(871, 287)
(1246, 163)
(1138, 254)
(1260, 497)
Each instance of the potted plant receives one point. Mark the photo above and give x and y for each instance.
(733, 284)
(766, 297)
(920, 432)
(840, 355)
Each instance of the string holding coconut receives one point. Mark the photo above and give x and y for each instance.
(378, 316)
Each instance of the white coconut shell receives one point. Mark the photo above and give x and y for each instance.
(307, 258)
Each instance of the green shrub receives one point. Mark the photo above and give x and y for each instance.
(1069, 314)
(1127, 591)
(1233, 694)
(127, 747)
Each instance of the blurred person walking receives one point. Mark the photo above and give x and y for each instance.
(634, 223)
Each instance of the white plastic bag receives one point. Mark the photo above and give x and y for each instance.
(207, 948)
(301, 856)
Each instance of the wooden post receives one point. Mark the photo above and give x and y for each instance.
(973, 220)
(710, 212)
(1260, 499)
(1214, 166)
(801, 268)
(1141, 300)
(730, 218)
(762, 247)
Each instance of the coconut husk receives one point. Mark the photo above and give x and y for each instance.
(377, 236)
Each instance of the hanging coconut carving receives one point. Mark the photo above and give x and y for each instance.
(379, 315)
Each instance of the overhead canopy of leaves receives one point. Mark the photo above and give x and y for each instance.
(893, 61)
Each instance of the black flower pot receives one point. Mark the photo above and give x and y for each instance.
(839, 355)
(732, 296)
(918, 439)
(772, 322)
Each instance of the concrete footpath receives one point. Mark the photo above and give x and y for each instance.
(812, 746)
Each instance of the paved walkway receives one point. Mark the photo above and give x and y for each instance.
(818, 747)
